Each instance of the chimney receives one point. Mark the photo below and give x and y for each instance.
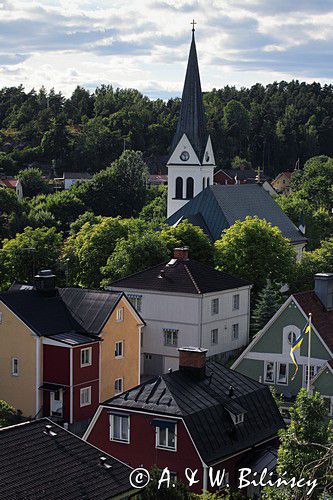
(180, 253)
(45, 283)
(192, 361)
(324, 289)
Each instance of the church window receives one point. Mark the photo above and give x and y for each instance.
(189, 188)
(179, 188)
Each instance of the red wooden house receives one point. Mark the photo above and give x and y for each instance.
(200, 417)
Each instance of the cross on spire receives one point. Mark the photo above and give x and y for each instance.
(193, 24)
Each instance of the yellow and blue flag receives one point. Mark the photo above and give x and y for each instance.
(296, 344)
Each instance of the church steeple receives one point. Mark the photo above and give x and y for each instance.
(191, 164)
(192, 118)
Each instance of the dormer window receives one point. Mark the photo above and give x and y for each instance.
(237, 418)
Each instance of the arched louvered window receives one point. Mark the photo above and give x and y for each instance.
(179, 188)
(189, 188)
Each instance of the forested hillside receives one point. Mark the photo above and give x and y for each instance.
(269, 126)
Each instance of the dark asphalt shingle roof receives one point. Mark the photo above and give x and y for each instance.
(204, 405)
(36, 466)
(181, 276)
(221, 206)
(192, 117)
(70, 310)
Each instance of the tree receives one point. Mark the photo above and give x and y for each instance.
(240, 163)
(254, 250)
(7, 164)
(119, 189)
(155, 211)
(306, 449)
(177, 491)
(12, 213)
(185, 234)
(65, 207)
(7, 414)
(317, 261)
(29, 251)
(134, 254)
(269, 300)
(32, 182)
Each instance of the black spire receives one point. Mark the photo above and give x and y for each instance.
(192, 120)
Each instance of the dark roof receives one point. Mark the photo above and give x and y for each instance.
(35, 465)
(321, 318)
(181, 276)
(204, 405)
(221, 206)
(192, 118)
(71, 311)
(73, 338)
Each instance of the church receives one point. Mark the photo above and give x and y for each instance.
(191, 193)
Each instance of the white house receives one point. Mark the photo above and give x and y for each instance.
(185, 302)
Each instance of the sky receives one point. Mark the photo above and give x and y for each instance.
(144, 44)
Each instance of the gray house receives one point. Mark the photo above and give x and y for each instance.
(267, 358)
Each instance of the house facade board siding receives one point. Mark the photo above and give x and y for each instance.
(128, 366)
(17, 340)
(324, 383)
(83, 373)
(85, 412)
(56, 364)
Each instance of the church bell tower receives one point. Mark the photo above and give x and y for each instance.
(191, 164)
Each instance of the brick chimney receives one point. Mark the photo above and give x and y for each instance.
(324, 289)
(180, 253)
(192, 361)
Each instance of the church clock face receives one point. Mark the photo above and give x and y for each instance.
(184, 156)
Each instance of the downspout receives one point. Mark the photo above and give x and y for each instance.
(200, 320)
(205, 478)
(71, 402)
(38, 372)
(249, 313)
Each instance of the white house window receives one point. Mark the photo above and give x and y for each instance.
(215, 306)
(136, 301)
(120, 428)
(85, 396)
(15, 367)
(118, 385)
(166, 437)
(282, 374)
(269, 372)
(119, 350)
(235, 331)
(120, 314)
(170, 337)
(214, 336)
(86, 356)
(235, 302)
(313, 372)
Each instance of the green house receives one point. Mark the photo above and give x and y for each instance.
(267, 358)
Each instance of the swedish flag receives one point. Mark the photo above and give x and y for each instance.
(296, 344)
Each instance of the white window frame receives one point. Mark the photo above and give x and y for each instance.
(235, 302)
(235, 330)
(214, 331)
(15, 367)
(330, 399)
(85, 390)
(116, 391)
(119, 356)
(157, 440)
(120, 314)
(305, 371)
(266, 363)
(136, 301)
(174, 337)
(278, 364)
(82, 354)
(215, 306)
(112, 426)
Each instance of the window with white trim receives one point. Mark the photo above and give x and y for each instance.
(119, 349)
(215, 306)
(329, 404)
(214, 336)
(15, 367)
(282, 374)
(120, 428)
(313, 371)
(118, 386)
(85, 396)
(136, 301)
(86, 356)
(170, 337)
(269, 375)
(166, 437)
(235, 302)
(235, 331)
(120, 314)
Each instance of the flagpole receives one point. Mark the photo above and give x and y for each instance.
(309, 351)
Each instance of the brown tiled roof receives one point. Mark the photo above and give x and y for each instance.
(321, 318)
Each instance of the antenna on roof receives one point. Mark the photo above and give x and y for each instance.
(231, 391)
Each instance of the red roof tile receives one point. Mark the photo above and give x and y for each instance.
(321, 318)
